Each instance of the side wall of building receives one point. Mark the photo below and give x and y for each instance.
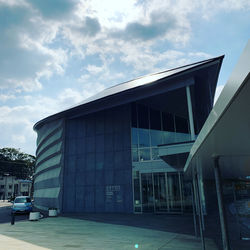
(49, 165)
(98, 169)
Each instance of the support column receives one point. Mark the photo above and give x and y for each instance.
(222, 212)
(190, 113)
(198, 200)
(194, 210)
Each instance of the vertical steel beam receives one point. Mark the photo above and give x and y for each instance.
(153, 184)
(190, 112)
(194, 210)
(236, 211)
(180, 187)
(140, 190)
(167, 192)
(196, 187)
(222, 212)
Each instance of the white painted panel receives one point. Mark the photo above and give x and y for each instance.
(53, 138)
(51, 162)
(48, 175)
(47, 193)
(54, 149)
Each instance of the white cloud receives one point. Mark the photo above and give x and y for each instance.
(93, 69)
(24, 53)
(6, 97)
(41, 39)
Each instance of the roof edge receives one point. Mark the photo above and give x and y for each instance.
(200, 63)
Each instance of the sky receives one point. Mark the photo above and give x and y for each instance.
(56, 53)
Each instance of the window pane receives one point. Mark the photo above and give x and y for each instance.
(135, 154)
(168, 137)
(156, 137)
(155, 154)
(134, 138)
(143, 118)
(181, 137)
(137, 191)
(168, 122)
(155, 119)
(143, 138)
(144, 154)
(181, 124)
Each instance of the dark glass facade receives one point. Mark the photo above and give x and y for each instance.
(151, 128)
(154, 125)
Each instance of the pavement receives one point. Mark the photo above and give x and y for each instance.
(93, 231)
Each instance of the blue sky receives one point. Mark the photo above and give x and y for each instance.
(55, 53)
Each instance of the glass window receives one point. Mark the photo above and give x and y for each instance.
(134, 138)
(181, 137)
(144, 154)
(156, 137)
(143, 118)
(135, 154)
(155, 119)
(168, 137)
(181, 125)
(155, 154)
(137, 192)
(168, 122)
(10, 186)
(143, 138)
(134, 115)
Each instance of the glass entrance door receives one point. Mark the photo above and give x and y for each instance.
(161, 192)
(147, 193)
(174, 192)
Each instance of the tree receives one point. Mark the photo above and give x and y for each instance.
(17, 163)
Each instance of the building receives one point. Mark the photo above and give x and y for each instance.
(219, 161)
(11, 186)
(124, 149)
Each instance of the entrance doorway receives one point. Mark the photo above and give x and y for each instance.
(161, 192)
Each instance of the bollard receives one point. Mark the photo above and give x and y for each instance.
(12, 218)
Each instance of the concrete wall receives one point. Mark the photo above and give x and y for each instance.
(49, 165)
(97, 167)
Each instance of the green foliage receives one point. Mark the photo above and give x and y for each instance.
(17, 163)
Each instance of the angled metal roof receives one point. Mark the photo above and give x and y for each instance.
(135, 84)
(141, 81)
(226, 131)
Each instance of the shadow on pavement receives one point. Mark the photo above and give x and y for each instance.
(182, 224)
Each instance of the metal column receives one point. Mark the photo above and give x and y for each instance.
(194, 210)
(222, 213)
(198, 202)
(190, 113)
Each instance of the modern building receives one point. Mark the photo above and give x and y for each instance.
(219, 161)
(124, 149)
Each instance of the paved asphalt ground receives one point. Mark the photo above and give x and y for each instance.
(109, 231)
(5, 213)
(99, 231)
